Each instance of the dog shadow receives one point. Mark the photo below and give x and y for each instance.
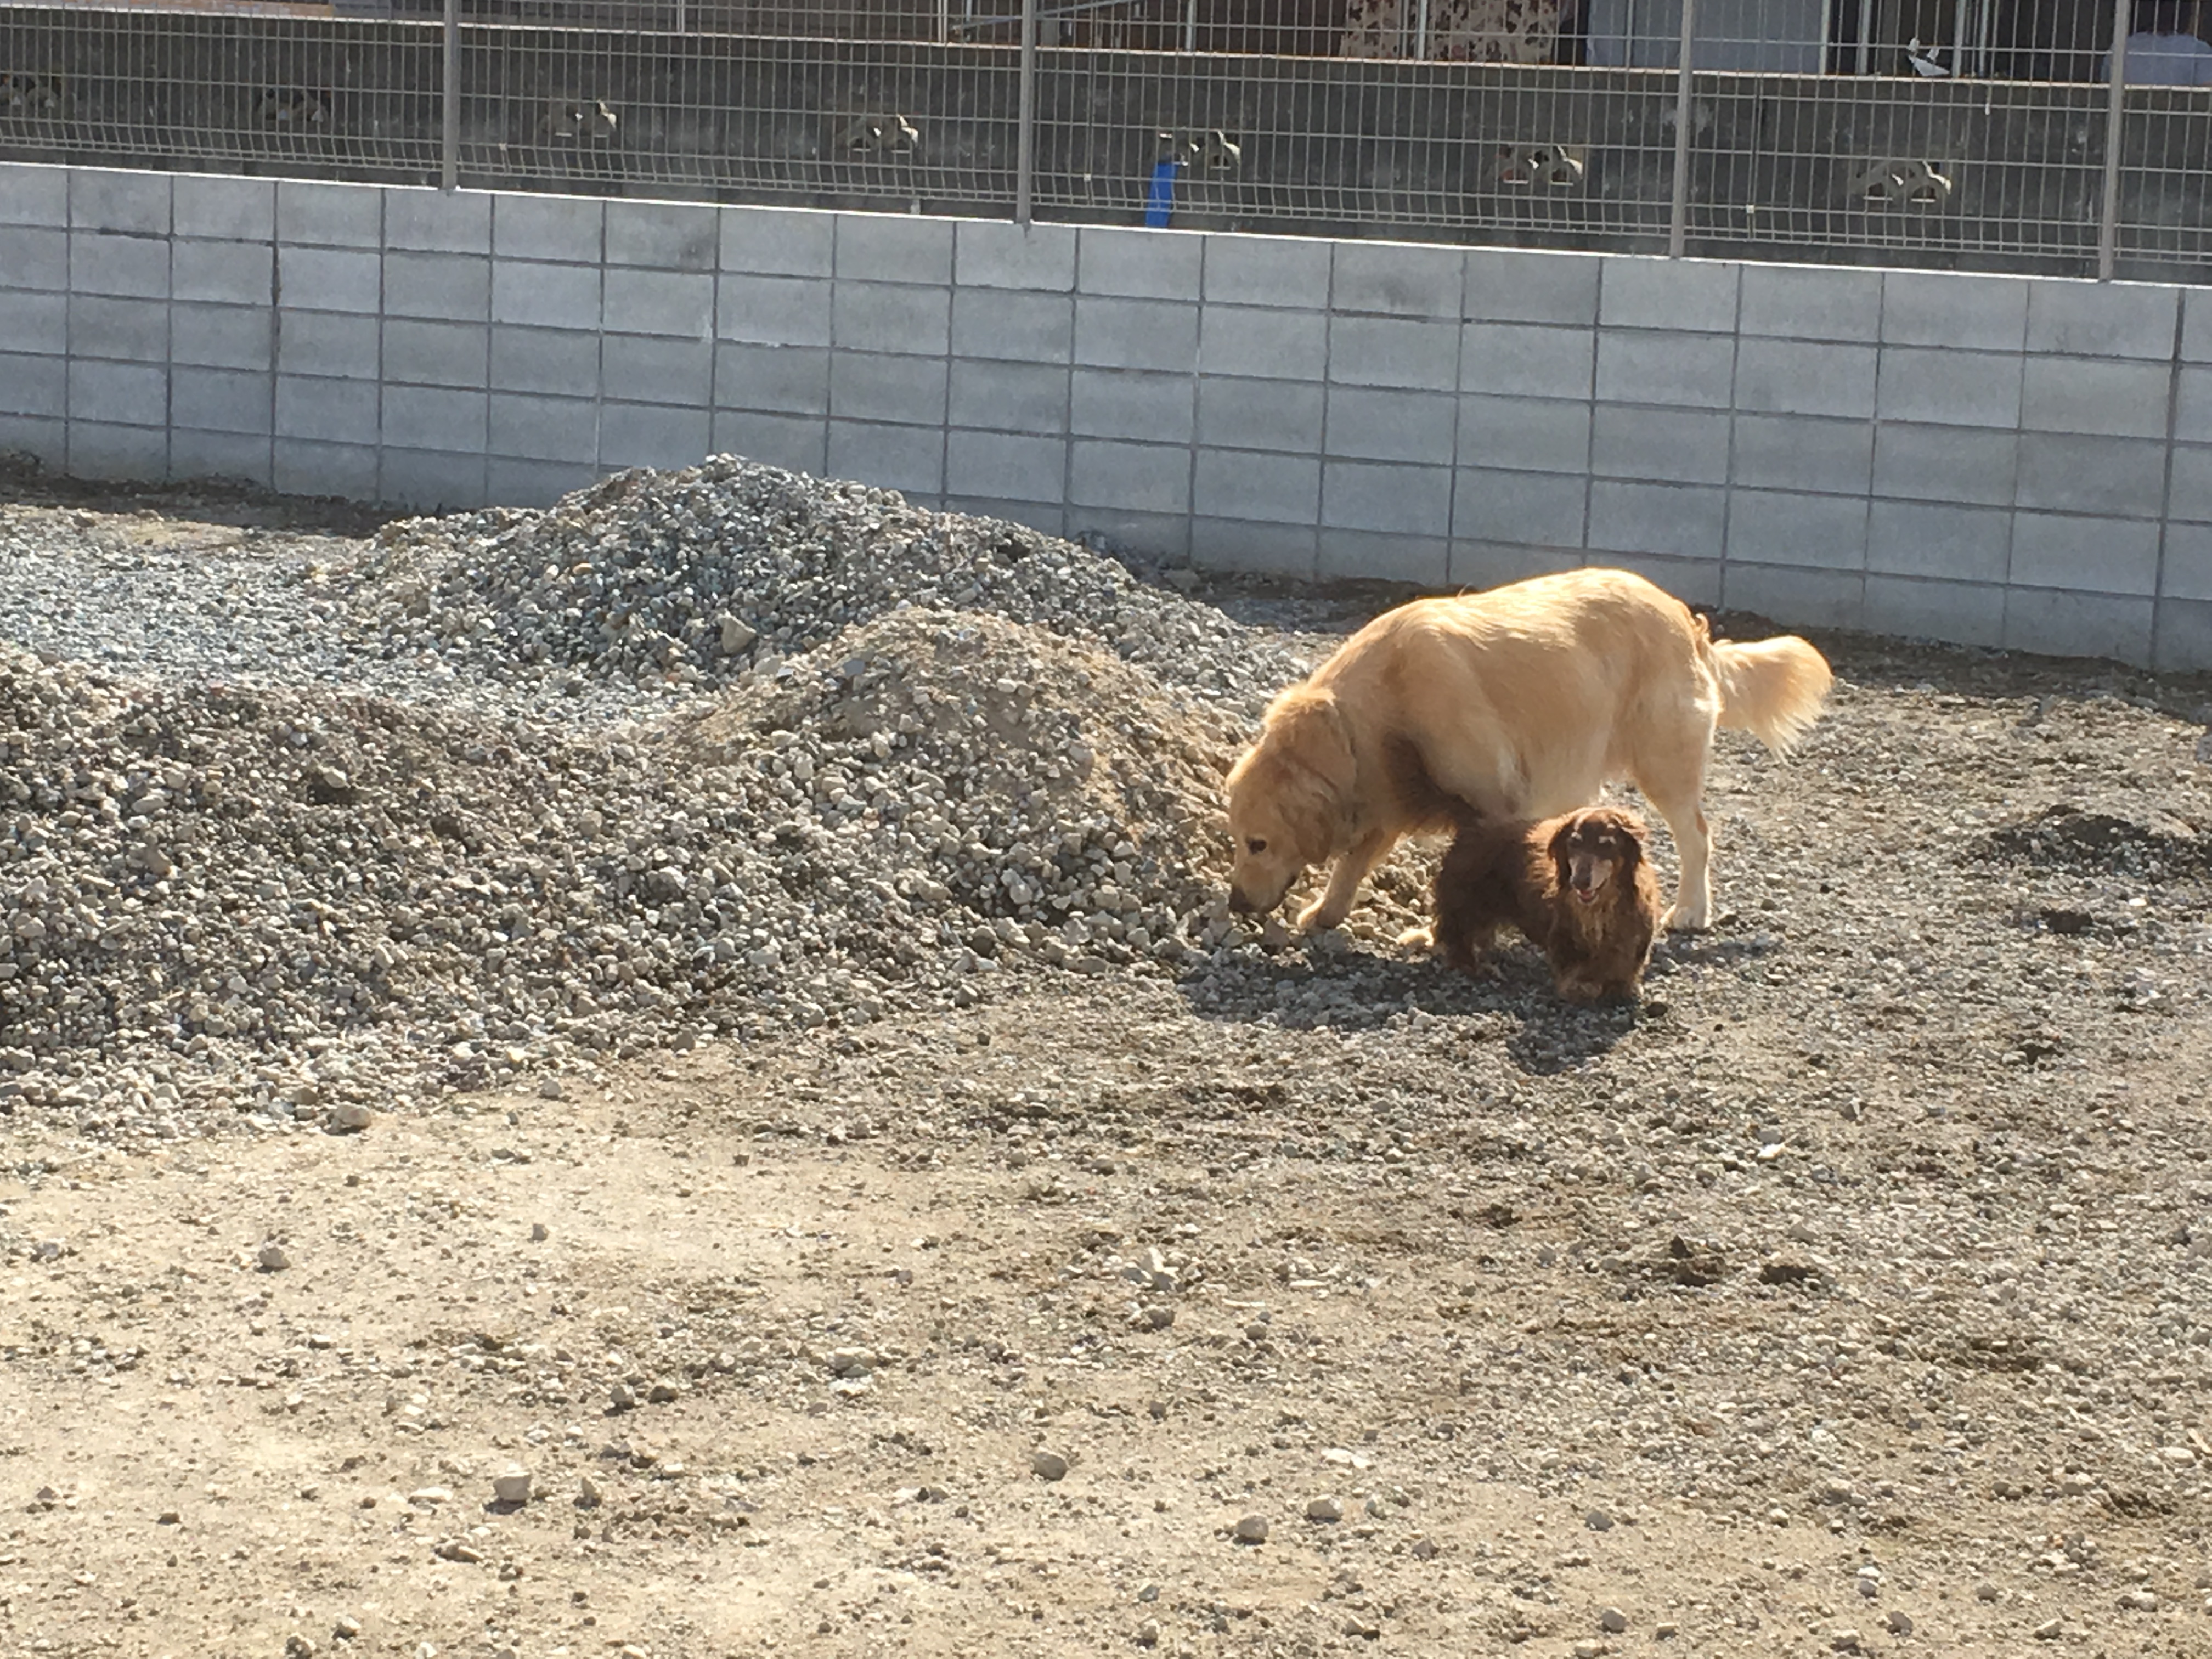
(1349, 986)
(1346, 985)
(1719, 949)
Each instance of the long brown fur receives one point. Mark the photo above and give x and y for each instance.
(1526, 876)
(1516, 703)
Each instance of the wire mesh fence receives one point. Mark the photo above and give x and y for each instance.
(1948, 132)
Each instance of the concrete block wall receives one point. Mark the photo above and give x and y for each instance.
(1994, 460)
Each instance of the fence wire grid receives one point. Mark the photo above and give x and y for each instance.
(1961, 133)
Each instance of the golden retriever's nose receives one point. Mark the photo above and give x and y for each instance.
(1240, 902)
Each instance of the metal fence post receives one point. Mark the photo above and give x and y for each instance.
(2108, 212)
(1678, 210)
(449, 137)
(1025, 119)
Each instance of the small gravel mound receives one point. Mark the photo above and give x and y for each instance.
(2069, 838)
(996, 749)
(677, 582)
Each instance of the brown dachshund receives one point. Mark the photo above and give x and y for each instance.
(1579, 886)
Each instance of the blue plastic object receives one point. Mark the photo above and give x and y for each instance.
(1159, 200)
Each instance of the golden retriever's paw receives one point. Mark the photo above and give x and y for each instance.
(1687, 919)
(1418, 938)
(1318, 918)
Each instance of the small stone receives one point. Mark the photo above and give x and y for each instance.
(1253, 1530)
(1667, 1631)
(1588, 1649)
(1987, 1592)
(1425, 1549)
(346, 1628)
(550, 1088)
(272, 1258)
(453, 1549)
(430, 1497)
(588, 1495)
(1148, 1593)
(2140, 1601)
(346, 1117)
(299, 1647)
(2049, 1630)
(1897, 1622)
(538, 1234)
(1598, 1520)
(1148, 1633)
(1047, 1465)
(662, 1394)
(623, 1397)
(737, 635)
(1324, 1509)
(1844, 1639)
(168, 1518)
(1613, 1621)
(512, 1485)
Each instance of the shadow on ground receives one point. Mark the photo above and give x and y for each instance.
(1343, 985)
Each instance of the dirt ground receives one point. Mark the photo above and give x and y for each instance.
(1850, 1294)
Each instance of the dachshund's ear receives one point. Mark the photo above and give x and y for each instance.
(1558, 846)
(1632, 847)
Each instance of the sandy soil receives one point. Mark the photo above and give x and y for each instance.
(1850, 1294)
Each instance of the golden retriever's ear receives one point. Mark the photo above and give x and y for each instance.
(1306, 730)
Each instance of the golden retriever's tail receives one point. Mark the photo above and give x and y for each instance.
(1773, 689)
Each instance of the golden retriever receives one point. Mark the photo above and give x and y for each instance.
(1519, 702)
(1579, 886)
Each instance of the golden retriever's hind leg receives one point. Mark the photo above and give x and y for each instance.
(1336, 903)
(1419, 939)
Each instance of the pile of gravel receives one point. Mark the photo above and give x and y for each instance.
(731, 750)
(678, 583)
(292, 899)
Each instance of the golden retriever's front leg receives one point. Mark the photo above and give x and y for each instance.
(1335, 904)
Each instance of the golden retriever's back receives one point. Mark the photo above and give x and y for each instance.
(1538, 688)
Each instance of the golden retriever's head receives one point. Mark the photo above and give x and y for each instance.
(1287, 798)
(1595, 852)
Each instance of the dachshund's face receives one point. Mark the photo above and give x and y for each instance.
(1596, 852)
